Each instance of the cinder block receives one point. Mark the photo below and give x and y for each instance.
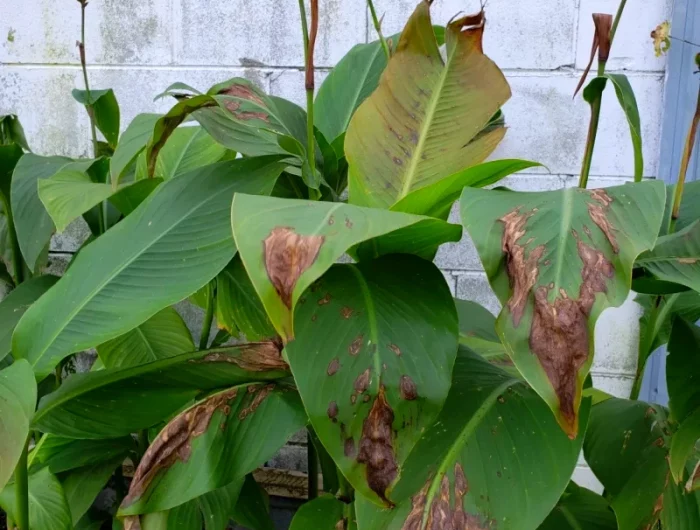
(194, 318)
(475, 287)
(289, 84)
(518, 34)
(451, 281)
(548, 126)
(461, 255)
(71, 238)
(614, 384)
(617, 339)
(266, 32)
(290, 457)
(58, 263)
(632, 48)
(116, 32)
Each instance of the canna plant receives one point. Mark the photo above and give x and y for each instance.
(424, 412)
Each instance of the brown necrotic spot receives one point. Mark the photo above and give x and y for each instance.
(253, 357)
(348, 223)
(349, 447)
(325, 300)
(331, 220)
(174, 442)
(346, 312)
(522, 269)
(447, 510)
(598, 211)
(333, 366)
(687, 261)
(376, 447)
(362, 381)
(395, 349)
(286, 256)
(355, 345)
(407, 388)
(333, 411)
(259, 395)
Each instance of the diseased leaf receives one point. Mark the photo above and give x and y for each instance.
(13, 306)
(163, 335)
(105, 110)
(302, 239)
(580, 509)
(323, 513)
(556, 260)
(218, 440)
(17, 402)
(373, 367)
(410, 133)
(48, 509)
(164, 251)
(493, 432)
(91, 405)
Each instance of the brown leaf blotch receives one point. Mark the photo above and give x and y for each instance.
(598, 211)
(445, 514)
(325, 300)
(253, 357)
(349, 448)
(362, 381)
(173, 443)
(687, 261)
(376, 447)
(348, 223)
(346, 312)
(395, 349)
(355, 345)
(333, 411)
(286, 256)
(407, 388)
(260, 396)
(333, 366)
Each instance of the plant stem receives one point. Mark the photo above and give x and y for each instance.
(14, 242)
(208, 319)
(616, 22)
(81, 48)
(378, 28)
(685, 161)
(312, 467)
(22, 490)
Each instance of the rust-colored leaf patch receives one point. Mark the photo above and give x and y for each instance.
(175, 442)
(355, 345)
(254, 357)
(333, 366)
(132, 522)
(599, 214)
(260, 394)
(407, 388)
(286, 256)
(376, 447)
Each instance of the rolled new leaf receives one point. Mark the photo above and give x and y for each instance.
(556, 260)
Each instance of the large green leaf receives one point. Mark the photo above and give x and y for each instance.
(253, 507)
(302, 239)
(9, 156)
(82, 485)
(627, 448)
(166, 249)
(494, 457)
(628, 103)
(17, 402)
(103, 106)
(436, 199)
(676, 257)
(163, 335)
(64, 454)
(683, 381)
(238, 305)
(350, 82)
(690, 206)
(115, 402)
(16, 303)
(368, 359)
(217, 505)
(422, 123)
(48, 509)
(132, 142)
(556, 260)
(218, 440)
(322, 513)
(187, 516)
(32, 222)
(580, 509)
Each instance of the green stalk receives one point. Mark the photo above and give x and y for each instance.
(14, 242)
(595, 107)
(312, 467)
(81, 47)
(687, 154)
(378, 28)
(22, 490)
(208, 319)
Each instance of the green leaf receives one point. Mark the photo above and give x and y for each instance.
(436, 199)
(580, 509)
(105, 110)
(218, 440)
(68, 194)
(128, 198)
(163, 335)
(253, 507)
(566, 252)
(238, 305)
(627, 448)
(13, 306)
(82, 485)
(302, 239)
(17, 402)
(187, 516)
(323, 513)
(92, 405)
(690, 205)
(11, 131)
(383, 365)
(217, 505)
(350, 82)
(48, 509)
(495, 453)
(32, 222)
(170, 246)
(628, 103)
(683, 446)
(410, 132)
(64, 454)
(676, 257)
(132, 142)
(9, 156)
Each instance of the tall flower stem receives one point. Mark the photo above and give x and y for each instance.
(378, 28)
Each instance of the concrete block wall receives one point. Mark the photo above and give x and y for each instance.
(139, 47)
